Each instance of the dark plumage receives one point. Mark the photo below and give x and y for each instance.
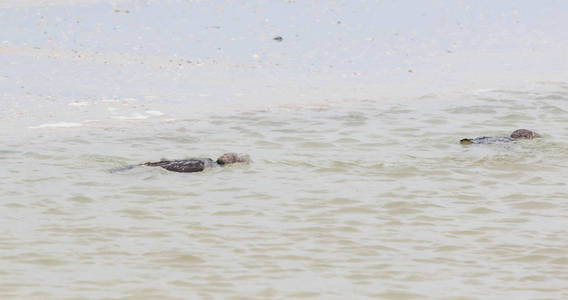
(183, 165)
(516, 135)
(199, 164)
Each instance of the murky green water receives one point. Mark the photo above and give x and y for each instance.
(358, 188)
(358, 199)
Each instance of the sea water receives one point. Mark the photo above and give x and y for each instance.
(358, 186)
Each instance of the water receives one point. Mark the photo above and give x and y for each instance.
(354, 191)
(360, 199)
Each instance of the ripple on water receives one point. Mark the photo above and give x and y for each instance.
(473, 109)
(361, 200)
(482, 211)
(314, 145)
(35, 155)
(553, 96)
(399, 295)
(534, 205)
(268, 144)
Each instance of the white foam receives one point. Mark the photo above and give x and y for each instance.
(134, 116)
(57, 125)
(154, 113)
(78, 103)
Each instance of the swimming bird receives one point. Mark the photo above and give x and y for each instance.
(193, 164)
(518, 134)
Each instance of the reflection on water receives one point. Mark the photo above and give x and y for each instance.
(360, 198)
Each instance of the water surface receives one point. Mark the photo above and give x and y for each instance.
(358, 188)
